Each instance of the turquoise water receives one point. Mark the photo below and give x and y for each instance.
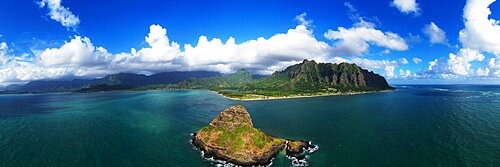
(413, 126)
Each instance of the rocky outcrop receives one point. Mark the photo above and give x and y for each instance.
(298, 149)
(231, 137)
(328, 75)
(232, 118)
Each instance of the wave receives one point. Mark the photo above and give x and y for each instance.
(303, 162)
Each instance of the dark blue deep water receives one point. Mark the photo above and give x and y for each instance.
(455, 125)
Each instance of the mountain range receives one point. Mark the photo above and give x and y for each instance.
(306, 78)
(122, 80)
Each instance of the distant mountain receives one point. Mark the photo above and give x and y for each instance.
(312, 76)
(12, 87)
(235, 80)
(109, 82)
(52, 86)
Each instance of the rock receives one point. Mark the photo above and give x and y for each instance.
(231, 118)
(297, 148)
(231, 137)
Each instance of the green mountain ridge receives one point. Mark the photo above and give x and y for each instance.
(305, 79)
(313, 76)
(232, 81)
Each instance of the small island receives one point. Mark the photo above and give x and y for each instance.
(231, 137)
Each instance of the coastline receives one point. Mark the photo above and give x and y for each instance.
(263, 98)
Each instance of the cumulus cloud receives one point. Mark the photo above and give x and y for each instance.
(79, 51)
(435, 34)
(385, 67)
(60, 13)
(356, 40)
(483, 72)
(260, 54)
(480, 32)
(407, 6)
(432, 65)
(458, 64)
(461, 63)
(494, 66)
(80, 57)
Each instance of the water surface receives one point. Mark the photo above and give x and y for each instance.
(413, 126)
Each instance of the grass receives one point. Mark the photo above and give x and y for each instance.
(242, 138)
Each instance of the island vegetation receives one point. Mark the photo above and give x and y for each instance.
(231, 137)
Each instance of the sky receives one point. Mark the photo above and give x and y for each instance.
(406, 41)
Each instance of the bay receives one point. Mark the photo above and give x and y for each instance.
(416, 125)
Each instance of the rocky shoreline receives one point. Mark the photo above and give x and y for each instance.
(230, 137)
(297, 152)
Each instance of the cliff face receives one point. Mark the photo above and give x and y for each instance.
(231, 137)
(324, 75)
(310, 76)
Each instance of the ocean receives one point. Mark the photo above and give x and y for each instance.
(415, 125)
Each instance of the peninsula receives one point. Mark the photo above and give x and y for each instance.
(231, 137)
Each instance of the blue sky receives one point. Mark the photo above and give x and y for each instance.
(399, 39)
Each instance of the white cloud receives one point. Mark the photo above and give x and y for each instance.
(80, 57)
(60, 13)
(160, 49)
(404, 73)
(417, 60)
(386, 67)
(480, 32)
(389, 71)
(432, 65)
(436, 35)
(406, 6)
(302, 20)
(3, 53)
(460, 64)
(75, 53)
(294, 46)
(494, 66)
(483, 72)
(403, 61)
(357, 40)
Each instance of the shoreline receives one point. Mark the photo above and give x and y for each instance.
(298, 96)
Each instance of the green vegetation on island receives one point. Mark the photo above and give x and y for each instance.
(231, 137)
